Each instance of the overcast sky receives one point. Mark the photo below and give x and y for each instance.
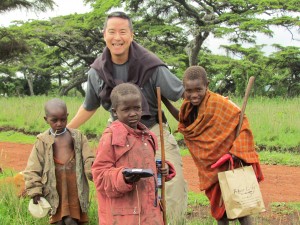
(281, 35)
(64, 7)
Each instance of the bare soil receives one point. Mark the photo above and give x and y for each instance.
(281, 183)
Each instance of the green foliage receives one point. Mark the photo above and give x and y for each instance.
(287, 67)
(41, 5)
(59, 51)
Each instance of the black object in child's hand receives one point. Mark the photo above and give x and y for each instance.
(141, 172)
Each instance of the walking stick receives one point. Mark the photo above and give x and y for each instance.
(161, 131)
(247, 92)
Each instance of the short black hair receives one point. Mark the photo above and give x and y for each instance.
(121, 15)
(194, 73)
(54, 103)
(122, 90)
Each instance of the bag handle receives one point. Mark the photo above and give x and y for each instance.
(231, 164)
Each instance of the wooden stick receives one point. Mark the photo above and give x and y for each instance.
(161, 131)
(247, 92)
(248, 89)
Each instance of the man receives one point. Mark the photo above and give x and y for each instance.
(123, 60)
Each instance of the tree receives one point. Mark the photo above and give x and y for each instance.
(41, 5)
(60, 50)
(286, 67)
(238, 20)
(12, 45)
(77, 44)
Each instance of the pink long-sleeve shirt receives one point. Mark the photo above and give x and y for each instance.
(118, 202)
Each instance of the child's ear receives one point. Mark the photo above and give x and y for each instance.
(45, 118)
(114, 112)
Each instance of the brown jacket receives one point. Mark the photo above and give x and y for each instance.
(40, 170)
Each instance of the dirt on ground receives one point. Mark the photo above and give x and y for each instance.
(281, 183)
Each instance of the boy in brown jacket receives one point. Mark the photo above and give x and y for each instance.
(59, 167)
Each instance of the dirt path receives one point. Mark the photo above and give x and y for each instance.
(280, 185)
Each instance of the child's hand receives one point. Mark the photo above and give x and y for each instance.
(164, 171)
(36, 199)
(222, 160)
(132, 178)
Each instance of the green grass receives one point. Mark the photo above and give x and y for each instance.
(197, 199)
(279, 158)
(18, 207)
(14, 210)
(184, 152)
(27, 114)
(285, 208)
(16, 137)
(275, 122)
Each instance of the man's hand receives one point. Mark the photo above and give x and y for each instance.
(222, 160)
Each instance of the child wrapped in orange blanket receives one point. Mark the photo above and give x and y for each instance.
(208, 122)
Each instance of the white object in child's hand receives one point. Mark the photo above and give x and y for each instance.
(39, 210)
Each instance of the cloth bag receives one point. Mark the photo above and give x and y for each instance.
(39, 210)
(240, 192)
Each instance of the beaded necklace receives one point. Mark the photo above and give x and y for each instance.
(57, 134)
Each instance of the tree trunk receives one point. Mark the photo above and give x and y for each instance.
(73, 83)
(30, 83)
(194, 48)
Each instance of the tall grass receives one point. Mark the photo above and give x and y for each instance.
(14, 210)
(275, 122)
(27, 114)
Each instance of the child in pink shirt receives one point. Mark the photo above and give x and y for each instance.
(127, 143)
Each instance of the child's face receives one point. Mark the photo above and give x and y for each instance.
(57, 119)
(129, 110)
(195, 91)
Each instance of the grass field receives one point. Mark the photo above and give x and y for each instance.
(274, 122)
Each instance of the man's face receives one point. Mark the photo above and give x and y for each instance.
(195, 91)
(129, 110)
(118, 38)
